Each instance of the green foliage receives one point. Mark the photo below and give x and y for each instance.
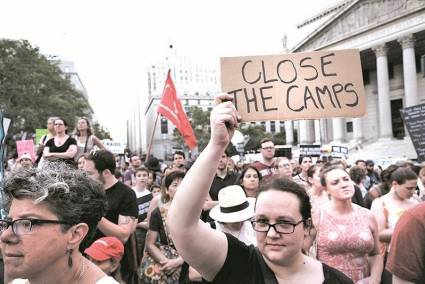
(100, 132)
(33, 88)
(200, 121)
(256, 133)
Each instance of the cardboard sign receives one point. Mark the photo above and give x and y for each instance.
(339, 152)
(414, 119)
(295, 86)
(25, 146)
(115, 147)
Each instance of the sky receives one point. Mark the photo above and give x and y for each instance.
(112, 42)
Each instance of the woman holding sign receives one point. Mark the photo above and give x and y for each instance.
(282, 220)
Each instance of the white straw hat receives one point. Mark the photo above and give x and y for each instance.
(233, 205)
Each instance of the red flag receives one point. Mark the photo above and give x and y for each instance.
(171, 107)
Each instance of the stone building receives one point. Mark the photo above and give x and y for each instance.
(390, 35)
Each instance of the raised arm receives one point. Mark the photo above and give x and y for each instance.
(203, 248)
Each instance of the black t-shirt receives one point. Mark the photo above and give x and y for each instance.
(219, 183)
(245, 265)
(156, 224)
(61, 149)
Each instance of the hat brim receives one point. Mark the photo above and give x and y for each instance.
(96, 254)
(234, 217)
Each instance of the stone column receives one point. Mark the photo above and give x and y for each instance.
(338, 125)
(409, 70)
(317, 132)
(303, 132)
(289, 132)
(385, 127)
(358, 130)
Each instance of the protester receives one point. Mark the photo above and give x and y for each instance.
(406, 260)
(106, 253)
(373, 177)
(284, 168)
(144, 197)
(421, 184)
(231, 166)
(135, 162)
(266, 166)
(121, 216)
(171, 265)
(347, 234)
(317, 192)
(305, 162)
(179, 160)
(388, 208)
(81, 160)
(249, 179)
(53, 212)
(24, 161)
(358, 176)
(85, 138)
(382, 188)
(232, 214)
(155, 174)
(281, 219)
(155, 189)
(50, 125)
(61, 147)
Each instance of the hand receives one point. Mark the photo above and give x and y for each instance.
(224, 119)
(170, 265)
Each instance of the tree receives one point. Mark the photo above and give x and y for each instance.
(200, 121)
(256, 133)
(33, 88)
(100, 132)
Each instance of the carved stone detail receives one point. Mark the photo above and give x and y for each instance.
(407, 41)
(364, 15)
(380, 50)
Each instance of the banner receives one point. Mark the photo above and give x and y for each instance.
(309, 85)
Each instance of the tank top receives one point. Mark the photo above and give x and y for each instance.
(345, 243)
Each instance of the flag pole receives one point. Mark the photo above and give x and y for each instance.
(151, 138)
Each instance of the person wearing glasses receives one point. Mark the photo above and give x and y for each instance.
(61, 147)
(284, 167)
(281, 221)
(52, 214)
(266, 166)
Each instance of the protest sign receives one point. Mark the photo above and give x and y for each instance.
(25, 146)
(310, 150)
(414, 119)
(116, 147)
(339, 152)
(307, 85)
(40, 132)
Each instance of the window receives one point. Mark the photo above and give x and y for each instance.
(390, 70)
(164, 125)
(366, 76)
(272, 126)
(349, 127)
(263, 125)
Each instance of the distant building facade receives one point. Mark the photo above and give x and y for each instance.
(390, 35)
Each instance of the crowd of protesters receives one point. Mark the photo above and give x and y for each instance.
(277, 220)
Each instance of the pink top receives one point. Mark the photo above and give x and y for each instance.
(345, 243)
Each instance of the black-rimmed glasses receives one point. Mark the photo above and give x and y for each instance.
(279, 227)
(24, 226)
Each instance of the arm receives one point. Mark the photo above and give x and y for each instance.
(98, 143)
(202, 247)
(69, 154)
(397, 280)
(144, 225)
(122, 231)
(376, 261)
(151, 247)
(377, 210)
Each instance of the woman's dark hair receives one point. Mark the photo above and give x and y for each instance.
(65, 123)
(287, 185)
(401, 175)
(240, 176)
(167, 181)
(301, 158)
(68, 193)
(324, 171)
(311, 170)
(357, 174)
(89, 131)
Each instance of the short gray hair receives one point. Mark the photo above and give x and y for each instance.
(70, 194)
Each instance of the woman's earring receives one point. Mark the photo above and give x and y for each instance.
(69, 252)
